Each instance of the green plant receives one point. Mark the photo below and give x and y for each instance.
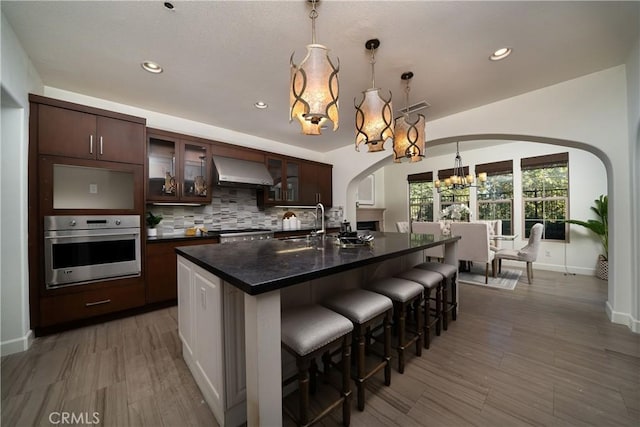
(599, 226)
(153, 220)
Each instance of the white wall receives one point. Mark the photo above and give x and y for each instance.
(18, 78)
(590, 113)
(587, 177)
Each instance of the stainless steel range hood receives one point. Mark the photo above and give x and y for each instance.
(240, 173)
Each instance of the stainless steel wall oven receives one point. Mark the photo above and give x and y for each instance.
(86, 249)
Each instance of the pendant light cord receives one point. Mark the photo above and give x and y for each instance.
(406, 91)
(373, 72)
(313, 15)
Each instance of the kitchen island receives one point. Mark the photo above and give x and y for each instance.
(241, 288)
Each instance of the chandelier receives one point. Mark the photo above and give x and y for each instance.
(459, 180)
(374, 114)
(408, 140)
(313, 91)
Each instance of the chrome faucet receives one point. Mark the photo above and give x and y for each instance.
(322, 230)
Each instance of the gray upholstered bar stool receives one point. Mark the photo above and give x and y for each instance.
(431, 281)
(450, 273)
(403, 293)
(365, 309)
(307, 332)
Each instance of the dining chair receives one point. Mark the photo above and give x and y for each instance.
(403, 227)
(474, 244)
(527, 254)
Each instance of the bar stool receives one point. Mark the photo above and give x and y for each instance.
(431, 281)
(403, 293)
(364, 309)
(450, 273)
(307, 332)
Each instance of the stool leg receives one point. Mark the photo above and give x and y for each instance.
(420, 341)
(359, 339)
(454, 296)
(303, 387)
(326, 362)
(346, 381)
(445, 311)
(313, 373)
(439, 306)
(400, 321)
(387, 347)
(427, 323)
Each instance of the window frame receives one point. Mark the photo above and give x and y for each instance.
(545, 162)
(416, 179)
(493, 169)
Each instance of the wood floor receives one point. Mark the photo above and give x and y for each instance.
(543, 354)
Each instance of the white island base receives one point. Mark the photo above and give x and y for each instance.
(231, 339)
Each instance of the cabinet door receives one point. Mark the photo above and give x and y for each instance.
(208, 329)
(195, 172)
(120, 141)
(185, 306)
(162, 178)
(308, 184)
(276, 169)
(292, 180)
(324, 185)
(68, 133)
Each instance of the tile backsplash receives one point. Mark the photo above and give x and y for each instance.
(234, 208)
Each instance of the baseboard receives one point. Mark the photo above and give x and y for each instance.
(623, 319)
(582, 271)
(17, 345)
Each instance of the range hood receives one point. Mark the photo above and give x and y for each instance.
(240, 173)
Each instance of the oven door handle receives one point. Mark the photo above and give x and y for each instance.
(91, 235)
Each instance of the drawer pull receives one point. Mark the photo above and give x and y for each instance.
(104, 301)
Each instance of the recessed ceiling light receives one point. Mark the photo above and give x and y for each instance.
(500, 54)
(261, 105)
(152, 67)
(169, 6)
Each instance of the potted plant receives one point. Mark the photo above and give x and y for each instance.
(152, 221)
(600, 227)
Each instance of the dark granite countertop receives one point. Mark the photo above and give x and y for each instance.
(266, 265)
(215, 234)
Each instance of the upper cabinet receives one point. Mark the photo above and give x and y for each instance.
(179, 169)
(316, 183)
(70, 133)
(286, 181)
(298, 182)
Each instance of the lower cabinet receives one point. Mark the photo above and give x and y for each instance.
(211, 328)
(161, 267)
(58, 309)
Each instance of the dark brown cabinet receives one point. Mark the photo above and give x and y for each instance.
(162, 276)
(286, 181)
(178, 169)
(298, 182)
(315, 183)
(77, 134)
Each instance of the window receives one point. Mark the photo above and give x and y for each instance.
(421, 196)
(495, 197)
(451, 197)
(545, 194)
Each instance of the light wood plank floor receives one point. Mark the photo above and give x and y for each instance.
(543, 354)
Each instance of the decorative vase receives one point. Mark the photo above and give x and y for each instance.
(602, 270)
(152, 232)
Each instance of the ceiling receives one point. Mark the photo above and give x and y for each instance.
(220, 57)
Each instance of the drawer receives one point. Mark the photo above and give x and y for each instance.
(90, 303)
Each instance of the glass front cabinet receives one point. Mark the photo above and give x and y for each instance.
(178, 170)
(286, 187)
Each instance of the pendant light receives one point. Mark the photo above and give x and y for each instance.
(374, 114)
(313, 92)
(408, 139)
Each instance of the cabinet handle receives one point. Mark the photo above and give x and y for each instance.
(90, 144)
(203, 298)
(101, 146)
(104, 301)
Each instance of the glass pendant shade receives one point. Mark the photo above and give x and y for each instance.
(374, 120)
(314, 90)
(408, 140)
